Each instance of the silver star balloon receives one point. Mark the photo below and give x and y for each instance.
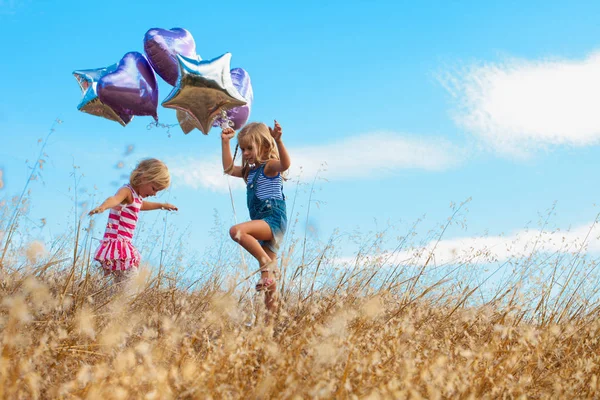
(90, 103)
(186, 122)
(203, 91)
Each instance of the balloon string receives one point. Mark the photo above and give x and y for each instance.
(161, 125)
(225, 121)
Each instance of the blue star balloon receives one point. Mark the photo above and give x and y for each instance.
(203, 91)
(90, 103)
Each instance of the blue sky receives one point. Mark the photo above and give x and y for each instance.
(411, 105)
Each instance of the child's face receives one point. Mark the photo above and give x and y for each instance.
(148, 189)
(248, 152)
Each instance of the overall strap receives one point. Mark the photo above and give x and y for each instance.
(257, 173)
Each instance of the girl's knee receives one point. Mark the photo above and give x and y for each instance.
(235, 233)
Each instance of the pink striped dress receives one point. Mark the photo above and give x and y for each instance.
(116, 252)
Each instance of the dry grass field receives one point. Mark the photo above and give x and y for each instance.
(366, 330)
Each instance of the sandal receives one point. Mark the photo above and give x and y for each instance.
(266, 283)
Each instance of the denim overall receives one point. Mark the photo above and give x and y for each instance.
(272, 211)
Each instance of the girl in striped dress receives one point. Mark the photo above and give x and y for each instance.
(116, 254)
(264, 158)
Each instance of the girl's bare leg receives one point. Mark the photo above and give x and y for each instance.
(247, 234)
(271, 295)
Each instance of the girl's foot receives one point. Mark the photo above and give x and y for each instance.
(266, 282)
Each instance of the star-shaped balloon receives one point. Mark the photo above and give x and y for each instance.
(238, 116)
(203, 90)
(186, 122)
(234, 118)
(90, 103)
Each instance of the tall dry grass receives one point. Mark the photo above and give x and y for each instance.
(77, 340)
(371, 328)
(362, 331)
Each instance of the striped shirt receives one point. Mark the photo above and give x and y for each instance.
(267, 187)
(122, 219)
(116, 252)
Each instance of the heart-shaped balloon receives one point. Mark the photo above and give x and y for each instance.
(90, 103)
(163, 45)
(238, 116)
(131, 89)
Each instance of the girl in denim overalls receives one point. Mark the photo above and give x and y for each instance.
(264, 158)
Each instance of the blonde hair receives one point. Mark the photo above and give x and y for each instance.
(151, 170)
(257, 134)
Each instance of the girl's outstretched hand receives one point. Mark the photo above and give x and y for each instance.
(227, 134)
(276, 131)
(168, 207)
(96, 210)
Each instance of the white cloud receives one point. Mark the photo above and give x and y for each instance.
(520, 105)
(376, 153)
(481, 250)
(202, 174)
(363, 156)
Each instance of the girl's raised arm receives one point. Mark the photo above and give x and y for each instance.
(121, 195)
(273, 167)
(228, 166)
